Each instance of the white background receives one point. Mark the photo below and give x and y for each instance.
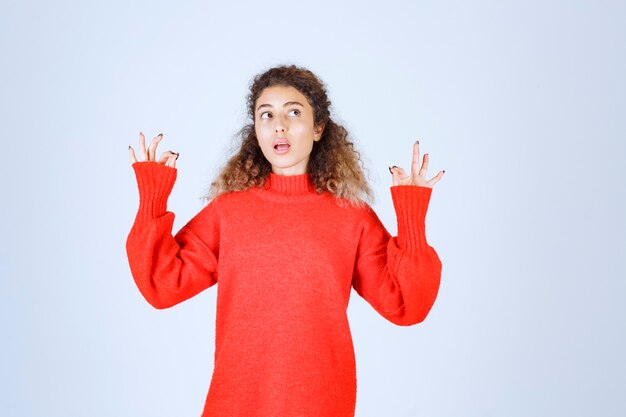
(522, 103)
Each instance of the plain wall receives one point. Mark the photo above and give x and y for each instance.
(522, 103)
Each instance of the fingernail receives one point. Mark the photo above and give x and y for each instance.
(129, 147)
(160, 134)
(444, 171)
(417, 141)
(390, 169)
(177, 155)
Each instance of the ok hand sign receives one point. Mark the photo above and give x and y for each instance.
(417, 173)
(168, 157)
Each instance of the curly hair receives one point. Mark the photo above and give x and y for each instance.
(334, 164)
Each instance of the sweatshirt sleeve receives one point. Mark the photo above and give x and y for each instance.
(170, 269)
(398, 276)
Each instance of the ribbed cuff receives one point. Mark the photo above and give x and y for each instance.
(155, 182)
(411, 205)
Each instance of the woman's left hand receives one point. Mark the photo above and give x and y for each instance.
(417, 173)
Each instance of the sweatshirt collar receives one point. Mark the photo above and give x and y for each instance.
(290, 184)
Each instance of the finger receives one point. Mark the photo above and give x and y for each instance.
(142, 147)
(153, 147)
(396, 178)
(133, 158)
(165, 156)
(424, 168)
(170, 162)
(436, 178)
(400, 175)
(391, 171)
(415, 163)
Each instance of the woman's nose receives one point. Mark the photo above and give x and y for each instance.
(280, 125)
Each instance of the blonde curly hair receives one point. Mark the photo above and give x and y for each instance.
(334, 164)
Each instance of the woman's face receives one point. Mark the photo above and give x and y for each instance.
(283, 115)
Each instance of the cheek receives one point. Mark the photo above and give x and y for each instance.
(303, 128)
(261, 132)
(265, 137)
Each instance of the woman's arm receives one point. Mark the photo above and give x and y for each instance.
(169, 269)
(400, 276)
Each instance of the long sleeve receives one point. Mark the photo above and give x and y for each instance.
(170, 269)
(398, 276)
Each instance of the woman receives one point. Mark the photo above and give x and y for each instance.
(287, 235)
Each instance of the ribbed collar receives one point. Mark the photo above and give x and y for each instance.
(290, 184)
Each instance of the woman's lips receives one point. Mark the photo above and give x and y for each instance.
(281, 146)
(281, 149)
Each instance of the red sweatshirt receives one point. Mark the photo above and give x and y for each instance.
(286, 259)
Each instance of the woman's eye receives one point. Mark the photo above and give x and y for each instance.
(296, 110)
(264, 113)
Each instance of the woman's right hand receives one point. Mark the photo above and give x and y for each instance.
(168, 158)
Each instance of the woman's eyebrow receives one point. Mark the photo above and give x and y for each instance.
(289, 103)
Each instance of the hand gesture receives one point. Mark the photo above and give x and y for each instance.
(417, 173)
(168, 158)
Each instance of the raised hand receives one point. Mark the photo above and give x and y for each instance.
(417, 176)
(168, 158)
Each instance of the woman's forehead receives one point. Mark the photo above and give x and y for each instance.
(279, 95)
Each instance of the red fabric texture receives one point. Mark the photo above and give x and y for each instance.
(286, 259)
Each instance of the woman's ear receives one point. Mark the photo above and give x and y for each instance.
(319, 129)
